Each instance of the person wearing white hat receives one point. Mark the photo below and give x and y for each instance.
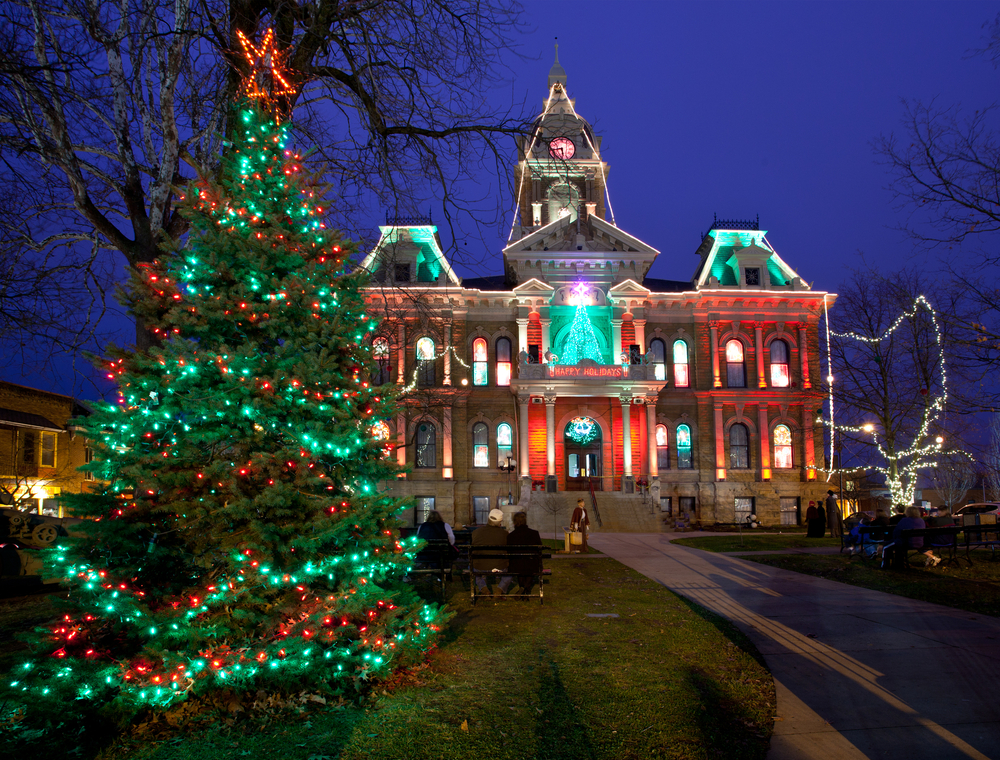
(492, 534)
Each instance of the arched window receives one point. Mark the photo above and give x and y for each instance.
(782, 448)
(681, 377)
(426, 445)
(739, 447)
(503, 361)
(779, 364)
(684, 460)
(505, 442)
(658, 358)
(480, 362)
(426, 355)
(563, 201)
(380, 352)
(662, 448)
(736, 376)
(480, 445)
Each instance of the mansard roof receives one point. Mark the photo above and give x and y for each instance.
(416, 244)
(725, 252)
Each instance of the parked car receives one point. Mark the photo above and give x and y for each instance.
(985, 508)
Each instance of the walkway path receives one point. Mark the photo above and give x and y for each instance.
(859, 674)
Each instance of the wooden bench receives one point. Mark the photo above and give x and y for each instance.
(434, 560)
(981, 536)
(533, 553)
(902, 551)
(873, 539)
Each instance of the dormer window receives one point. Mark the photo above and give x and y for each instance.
(752, 276)
(402, 272)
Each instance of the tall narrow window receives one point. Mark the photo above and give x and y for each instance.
(782, 448)
(480, 445)
(88, 457)
(739, 447)
(684, 459)
(736, 376)
(29, 451)
(426, 446)
(503, 361)
(779, 364)
(743, 507)
(425, 362)
(380, 352)
(48, 458)
(662, 448)
(658, 358)
(480, 362)
(681, 377)
(789, 506)
(505, 442)
(480, 509)
(424, 506)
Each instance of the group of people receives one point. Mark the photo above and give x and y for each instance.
(824, 515)
(908, 518)
(523, 569)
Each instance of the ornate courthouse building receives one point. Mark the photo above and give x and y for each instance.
(575, 374)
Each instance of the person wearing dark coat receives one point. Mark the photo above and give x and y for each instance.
(580, 522)
(435, 528)
(833, 517)
(815, 521)
(525, 568)
(492, 534)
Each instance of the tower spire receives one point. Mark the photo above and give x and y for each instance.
(557, 74)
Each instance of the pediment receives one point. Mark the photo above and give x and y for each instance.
(628, 288)
(544, 237)
(533, 286)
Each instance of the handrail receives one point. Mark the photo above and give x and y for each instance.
(593, 501)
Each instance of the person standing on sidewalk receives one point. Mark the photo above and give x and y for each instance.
(833, 517)
(580, 522)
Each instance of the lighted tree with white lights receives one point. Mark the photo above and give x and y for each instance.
(887, 383)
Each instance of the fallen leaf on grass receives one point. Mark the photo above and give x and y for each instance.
(465, 725)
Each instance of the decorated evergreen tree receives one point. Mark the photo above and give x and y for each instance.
(239, 540)
(581, 343)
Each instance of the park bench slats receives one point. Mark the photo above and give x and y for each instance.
(534, 553)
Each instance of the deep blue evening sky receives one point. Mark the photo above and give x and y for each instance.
(740, 109)
(771, 108)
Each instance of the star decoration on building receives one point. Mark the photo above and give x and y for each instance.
(267, 77)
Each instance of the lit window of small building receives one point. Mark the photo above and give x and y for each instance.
(684, 459)
(503, 349)
(779, 364)
(736, 376)
(682, 379)
(480, 362)
(480, 445)
(739, 447)
(782, 447)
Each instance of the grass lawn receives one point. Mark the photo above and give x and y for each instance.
(974, 589)
(558, 545)
(755, 542)
(511, 679)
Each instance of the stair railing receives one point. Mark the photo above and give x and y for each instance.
(593, 502)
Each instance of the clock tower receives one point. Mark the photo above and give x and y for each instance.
(559, 171)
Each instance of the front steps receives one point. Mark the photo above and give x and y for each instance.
(620, 512)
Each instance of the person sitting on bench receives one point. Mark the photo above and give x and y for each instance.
(912, 521)
(491, 534)
(435, 528)
(525, 568)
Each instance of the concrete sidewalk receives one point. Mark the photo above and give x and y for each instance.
(859, 673)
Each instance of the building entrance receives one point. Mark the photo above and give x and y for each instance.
(583, 454)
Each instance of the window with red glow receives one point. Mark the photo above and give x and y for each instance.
(779, 364)
(782, 448)
(480, 362)
(736, 376)
(503, 361)
(480, 445)
(681, 377)
(662, 448)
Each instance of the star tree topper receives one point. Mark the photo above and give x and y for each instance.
(267, 78)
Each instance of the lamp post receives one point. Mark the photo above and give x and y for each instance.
(508, 467)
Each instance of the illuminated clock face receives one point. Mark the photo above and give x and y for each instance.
(562, 147)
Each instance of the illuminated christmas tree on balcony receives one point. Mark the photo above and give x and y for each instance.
(581, 343)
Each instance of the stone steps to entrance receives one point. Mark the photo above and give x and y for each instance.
(620, 512)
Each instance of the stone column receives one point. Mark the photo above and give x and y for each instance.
(804, 355)
(626, 402)
(720, 445)
(640, 334)
(808, 442)
(546, 337)
(447, 353)
(447, 470)
(713, 328)
(550, 444)
(758, 329)
(652, 466)
(401, 354)
(522, 335)
(765, 441)
(616, 341)
(523, 401)
(401, 440)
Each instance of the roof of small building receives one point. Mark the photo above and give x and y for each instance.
(24, 419)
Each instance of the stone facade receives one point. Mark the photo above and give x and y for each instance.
(727, 432)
